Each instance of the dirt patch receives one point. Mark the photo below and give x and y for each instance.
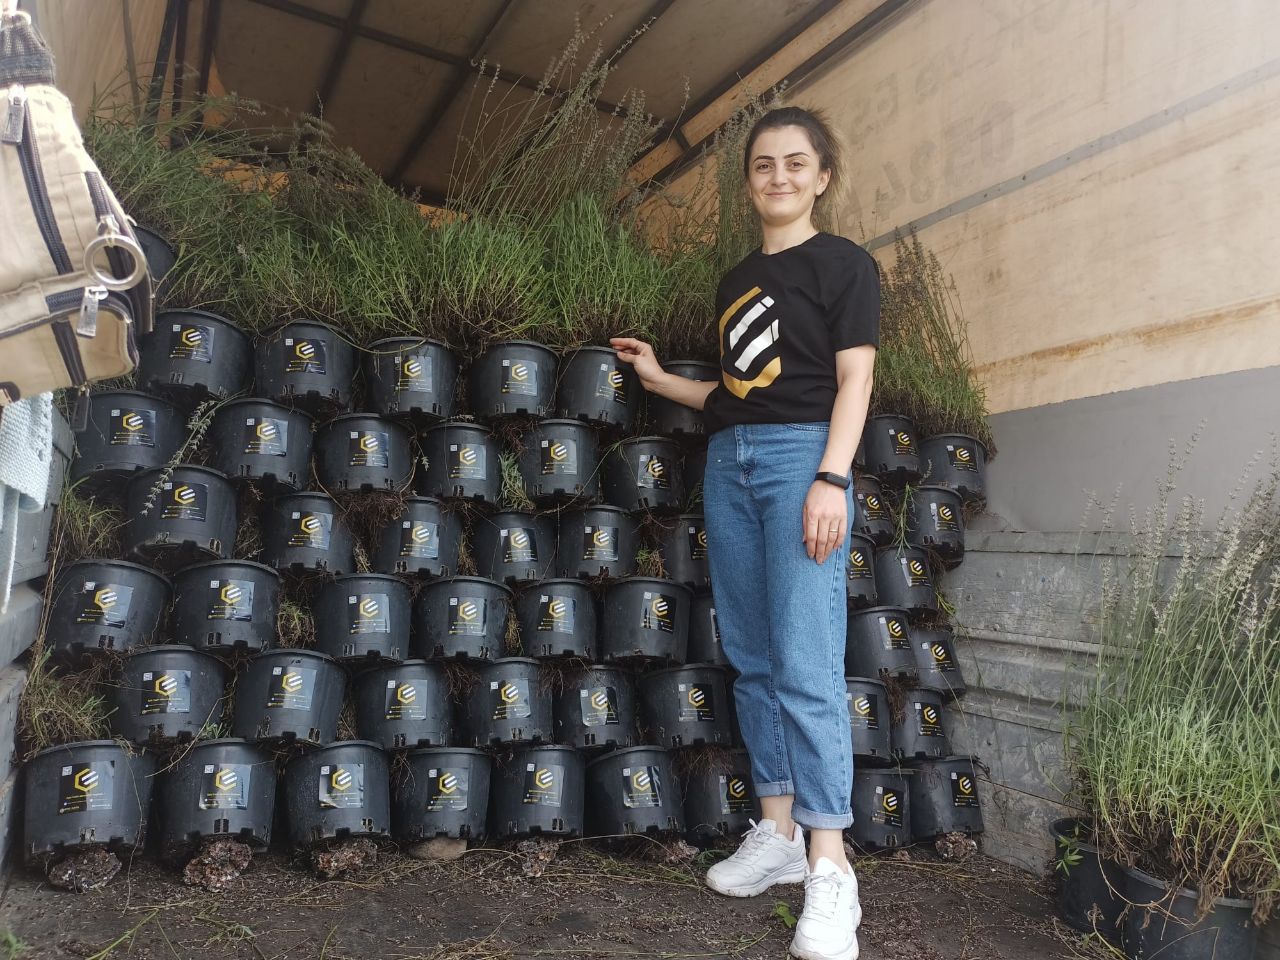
(586, 904)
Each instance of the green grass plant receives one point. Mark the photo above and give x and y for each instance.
(1176, 745)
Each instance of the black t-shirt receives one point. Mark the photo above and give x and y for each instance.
(782, 318)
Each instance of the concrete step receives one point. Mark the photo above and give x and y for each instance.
(20, 622)
(13, 679)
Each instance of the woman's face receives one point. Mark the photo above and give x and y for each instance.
(783, 176)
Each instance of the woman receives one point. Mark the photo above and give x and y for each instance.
(798, 328)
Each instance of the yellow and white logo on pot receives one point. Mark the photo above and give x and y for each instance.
(166, 685)
(519, 538)
(702, 537)
(341, 780)
(895, 628)
(857, 558)
(641, 781)
(889, 801)
(862, 706)
(544, 778)
(600, 700)
(305, 349)
(226, 779)
(291, 682)
(420, 533)
(412, 368)
(468, 610)
(737, 788)
(369, 608)
(558, 609)
(85, 780)
(467, 456)
(519, 372)
(945, 512)
(309, 523)
(615, 379)
(406, 693)
(916, 567)
(183, 494)
(661, 609)
(965, 783)
(230, 594)
(447, 782)
(930, 714)
(656, 468)
(601, 538)
(509, 692)
(904, 438)
(266, 430)
(557, 451)
(697, 696)
(963, 454)
(939, 652)
(131, 421)
(191, 336)
(873, 502)
(105, 598)
(369, 442)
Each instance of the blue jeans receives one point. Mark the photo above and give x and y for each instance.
(782, 616)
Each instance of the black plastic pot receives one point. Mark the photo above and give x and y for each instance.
(860, 574)
(870, 721)
(597, 708)
(289, 695)
(936, 661)
(305, 534)
(126, 432)
(683, 548)
(878, 644)
(597, 387)
(338, 792)
(903, 579)
(944, 798)
(685, 706)
(598, 541)
(705, 645)
(363, 617)
(673, 419)
(1161, 924)
(226, 605)
(695, 467)
(411, 377)
(260, 441)
(361, 452)
(194, 355)
(645, 474)
(633, 791)
(645, 618)
(513, 546)
(958, 462)
(1089, 887)
(872, 518)
(87, 794)
(404, 705)
(462, 463)
(881, 808)
(509, 703)
(192, 517)
(105, 606)
(560, 461)
(422, 541)
(921, 733)
(719, 800)
(558, 619)
(935, 522)
(461, 617)
(306, 365)
(167, 693)
(220, 788)
(891, 450)
(442, 792)
(160, 256)
(513, 378)
(540, 790)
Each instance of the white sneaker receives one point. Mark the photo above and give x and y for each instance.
(764, 858)
(827, 926)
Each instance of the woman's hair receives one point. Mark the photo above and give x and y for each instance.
(816, 126)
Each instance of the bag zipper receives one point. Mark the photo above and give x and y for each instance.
(33, 176)
(17, 115)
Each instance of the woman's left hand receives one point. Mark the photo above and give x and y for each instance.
(826, 518)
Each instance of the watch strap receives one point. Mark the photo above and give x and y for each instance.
(833, 478)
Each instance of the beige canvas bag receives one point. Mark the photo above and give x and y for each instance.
(74, 286)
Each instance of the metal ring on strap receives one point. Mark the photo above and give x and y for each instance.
(118, 241)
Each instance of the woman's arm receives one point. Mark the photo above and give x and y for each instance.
(690, 393)
(826, 516)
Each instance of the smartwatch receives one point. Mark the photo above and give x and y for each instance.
(833, 478)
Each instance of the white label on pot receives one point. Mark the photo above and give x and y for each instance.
(132, 428)
(510, 699)
(930, 720)
(599, 706)
(305, 356)
(859, 567)
(191, 341)
(556, 614)
(367, 613)
(468, 616)
(871, 506)
(225, 786)
(612, 385)
(964, 791)
(903, 443)
(291, 689)
(231, 600)
(888, 808)
(368, 448)
(311, 530)
(404, 701)
(266, 436)
(341, 786)
(543, 784)
(659, 612)
(167, 691)
(697, 703)
(447, 789)
(962, 458)
(654, 472)
(641, 787)
(413, 373)
(86, 786)
(944, 517)
(518, 545)
(559, 457)
(466, 462)
(184, 501)
(864, 711)
(520, 377)
(893, 632)
(939, 654)
(915, 572)
(599, 543)
(106, 604)
(420, 539)
(735, 795)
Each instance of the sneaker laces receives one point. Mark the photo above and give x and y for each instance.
(753, 843)
(822, 895)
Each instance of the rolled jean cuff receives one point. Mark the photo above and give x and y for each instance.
(782, 788)
(821, 821)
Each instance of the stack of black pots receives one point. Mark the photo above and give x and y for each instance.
(900, 660)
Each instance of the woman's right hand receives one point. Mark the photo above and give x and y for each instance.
(641, 357)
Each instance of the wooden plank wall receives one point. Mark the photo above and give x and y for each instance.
(1095, 174)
